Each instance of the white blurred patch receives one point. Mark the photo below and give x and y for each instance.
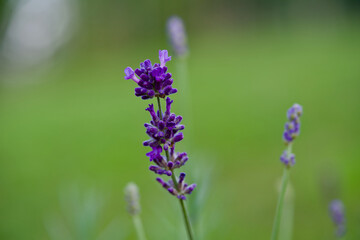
(36, 30)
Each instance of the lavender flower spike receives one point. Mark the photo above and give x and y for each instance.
(292, 130)
(177, 35)
(337, 213)
(154, 80)
(164, 129)
(132, 198)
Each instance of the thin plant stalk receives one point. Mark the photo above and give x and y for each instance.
(279, 206)
(182, 203)
(287, 220)
(139, 227)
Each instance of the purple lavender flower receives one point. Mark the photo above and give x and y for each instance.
(154, 80)
(164, 128)
(162, 166)
(177, 35)
(337, 213)
(180, 190)
(287, 160)
(292, 127)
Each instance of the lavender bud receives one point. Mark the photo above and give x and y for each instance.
(163, 56)
(129, 74)
(170, 165)
(132, 198)
(190, 188)
(177, 35)
(181, 178)
(178, 137)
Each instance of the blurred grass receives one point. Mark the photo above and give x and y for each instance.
(79, 122)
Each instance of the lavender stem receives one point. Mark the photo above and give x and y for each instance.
(139, 227)
(279, 207)
(182, 204)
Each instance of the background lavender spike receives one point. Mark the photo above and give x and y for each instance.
(292, 130)
(337, 213)
(132, 198)
(177, 35)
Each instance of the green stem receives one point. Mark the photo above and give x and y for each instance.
(182, 203)
(159, 105)
(139, 227)
(279, 207)
(186, 219)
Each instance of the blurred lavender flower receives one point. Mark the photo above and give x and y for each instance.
(292, 127)
(292, 130)
(154, 80)
(287, 160)
(177, 35)
(337, 212)
(132, 198)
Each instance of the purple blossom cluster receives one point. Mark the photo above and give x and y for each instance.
(166, 167)
(292, 127)
(164, 128)
(287, 160)
(337, 213)
(181, 189)
(153, 80)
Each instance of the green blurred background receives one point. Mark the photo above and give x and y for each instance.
(71, 129)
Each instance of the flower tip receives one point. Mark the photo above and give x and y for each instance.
(178, 137)
(164, 57)
(129, 73)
